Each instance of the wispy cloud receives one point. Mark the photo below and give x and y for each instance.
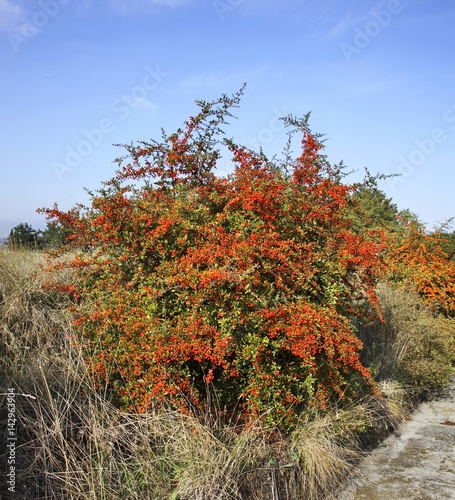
(342, 27)
(11, 16)
(170, 3)
(373, 87)
(348, 21)
(145, 103)
(215, 80)
(135, 6)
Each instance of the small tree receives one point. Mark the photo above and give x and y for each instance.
(54, 236)
(373, 209)
(23, 236)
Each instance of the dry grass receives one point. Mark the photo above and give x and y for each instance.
(73, 443)
(327, 447)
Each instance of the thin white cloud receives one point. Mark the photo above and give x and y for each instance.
(145, 103)
(11, 16)
(341, 28)
(369, 80)
(135, 6)
(216, 80)
(375, 86)
(354, 18)
(170, 3)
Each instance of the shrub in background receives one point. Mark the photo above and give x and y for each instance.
(411, 345)
(416, 260)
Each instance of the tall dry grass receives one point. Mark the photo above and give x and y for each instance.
(73, 443)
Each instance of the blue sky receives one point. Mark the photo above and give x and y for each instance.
(81, 75)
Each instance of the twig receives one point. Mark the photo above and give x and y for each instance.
(18, 394)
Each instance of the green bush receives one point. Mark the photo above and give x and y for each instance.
(411, 345)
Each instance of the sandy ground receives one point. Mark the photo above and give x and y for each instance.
(417, 462)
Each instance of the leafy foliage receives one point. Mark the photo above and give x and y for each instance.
(54, 236)
(448, 244)
(416, 260)
(373, 208)
(198, 291)
(23, 236)
(410, 344)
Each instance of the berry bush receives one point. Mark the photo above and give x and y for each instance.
(200, 292)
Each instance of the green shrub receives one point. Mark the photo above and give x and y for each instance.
(411, 345)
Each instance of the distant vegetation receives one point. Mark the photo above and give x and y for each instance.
(24, 236)
(215, 338)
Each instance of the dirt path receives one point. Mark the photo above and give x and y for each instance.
(417, 462)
